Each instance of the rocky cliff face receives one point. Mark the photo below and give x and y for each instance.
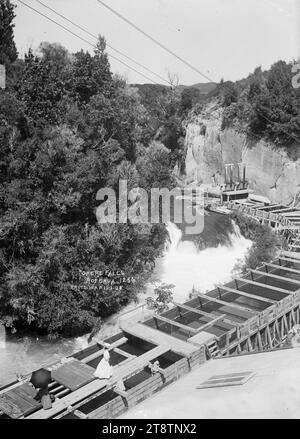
(270, 171)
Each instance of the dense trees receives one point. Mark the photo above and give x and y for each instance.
(190, 96)
(8, 51)
(68, 127)
(266, 103)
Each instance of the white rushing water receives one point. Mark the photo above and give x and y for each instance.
(183, 266)
(186, 267)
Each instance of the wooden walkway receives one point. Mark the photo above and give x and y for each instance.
(69, 400)
(73, 374)
(269, 294)
(137, 364)
(158, 338)
(254, 312)
(19, 401)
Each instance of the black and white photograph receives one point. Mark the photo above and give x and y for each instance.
(149, 213)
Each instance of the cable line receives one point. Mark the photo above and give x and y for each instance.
(155, 40)
(108, 45)
(86, 41)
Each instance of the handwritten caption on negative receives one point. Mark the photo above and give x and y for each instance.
(112, 280)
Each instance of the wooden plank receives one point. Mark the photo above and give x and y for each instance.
(120, 392)
(274, 276)
(251, 296)
(138, 363)
(269, 337)
(268, 207)
(293, 261)
(80, 414)
(74, 397)
(294, 246)
(286, 209)
(212, 323)
(288, 227)
(26, 389)
(97, 354)
(112, 345)
(93, 356)
(63, 392)
(10, 408)
(57, 389)
(194, 310)
(174, 323)
(294, 255)
(29, 398)
(13, 386)
(200, 312)
(19, 401)
(268, 287)
(73, 374)
(125, 354)
(282, 267)
(229, 304)
(155, 337)
(259, 341)
(288, 214)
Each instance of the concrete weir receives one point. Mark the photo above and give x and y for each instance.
(253, 313)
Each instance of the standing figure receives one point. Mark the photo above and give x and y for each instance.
(104, 369)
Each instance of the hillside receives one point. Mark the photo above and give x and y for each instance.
(204, 88)
(256, 121)
(155, 89)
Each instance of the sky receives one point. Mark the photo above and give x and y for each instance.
(221, 38)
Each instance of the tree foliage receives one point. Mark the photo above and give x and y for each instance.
(266, 103)
(163, 297)
(68, 127)
(265, 243)
(8, 51)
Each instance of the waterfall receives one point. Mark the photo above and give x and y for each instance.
(184, 266)
(175, 236)
(2, 337)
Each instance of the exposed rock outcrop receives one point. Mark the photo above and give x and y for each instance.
(270, 170)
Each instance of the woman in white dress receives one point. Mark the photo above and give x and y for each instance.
(104, 369)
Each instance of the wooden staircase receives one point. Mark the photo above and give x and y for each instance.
(213, 349)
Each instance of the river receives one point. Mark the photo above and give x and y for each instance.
(184, 265)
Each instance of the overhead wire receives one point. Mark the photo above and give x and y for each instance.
(86, 41)
(154, 40)
(107, 44)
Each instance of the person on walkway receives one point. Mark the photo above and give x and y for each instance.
(104, 369)
(45, 398)
(155, 367)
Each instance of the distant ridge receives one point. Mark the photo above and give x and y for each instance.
(204, 88)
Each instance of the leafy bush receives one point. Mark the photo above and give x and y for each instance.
(163, 297)
(265, 242)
